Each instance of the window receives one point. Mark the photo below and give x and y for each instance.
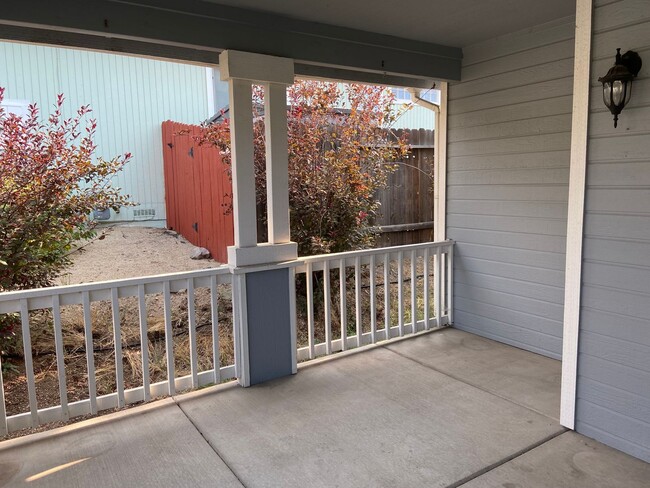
(403, 96)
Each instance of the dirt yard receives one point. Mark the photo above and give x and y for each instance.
(127, 252)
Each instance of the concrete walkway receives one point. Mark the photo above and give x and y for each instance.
(442, 409)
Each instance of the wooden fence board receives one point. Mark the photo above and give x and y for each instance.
(197, 190)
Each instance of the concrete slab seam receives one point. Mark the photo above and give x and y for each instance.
(507, 459)
(208, 443)
(456, 378)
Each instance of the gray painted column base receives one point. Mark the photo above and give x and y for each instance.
(269, 325)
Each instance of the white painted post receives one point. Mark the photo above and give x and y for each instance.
(327, 298)
(293, 318)
(169, 339)
(144, 342)
(387, 294)
(60, 360)
(90, 358)
(277, 162)
(214, 315)
(240, 319)
(440, 169)
(243, 170)
(575, 222)
(117, 341)
(241, 70)
(309, 276)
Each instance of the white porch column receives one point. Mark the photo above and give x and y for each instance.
(242, 70)
(263, 281)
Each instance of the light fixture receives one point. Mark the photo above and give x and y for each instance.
(617, 83)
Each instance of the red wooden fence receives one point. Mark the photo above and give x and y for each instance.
(198, 190)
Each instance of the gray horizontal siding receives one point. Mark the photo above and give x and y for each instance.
(613, 400)
(508, 172)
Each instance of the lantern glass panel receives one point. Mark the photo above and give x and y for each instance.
(618, 92)
(607, 93)
(628, 92)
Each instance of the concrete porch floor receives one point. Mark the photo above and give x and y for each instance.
(441, 409)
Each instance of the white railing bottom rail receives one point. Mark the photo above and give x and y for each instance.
(384, 294)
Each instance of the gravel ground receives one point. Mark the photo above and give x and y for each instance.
(128, 252)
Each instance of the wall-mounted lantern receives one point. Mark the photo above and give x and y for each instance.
(617, 83)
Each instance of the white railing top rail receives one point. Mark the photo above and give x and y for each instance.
(376, 251)
(100, 290)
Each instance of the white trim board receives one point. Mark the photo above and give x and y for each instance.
(440, 168)
(575, 223)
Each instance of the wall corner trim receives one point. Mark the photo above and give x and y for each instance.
(575, 221)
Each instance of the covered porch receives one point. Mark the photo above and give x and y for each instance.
(541, 243)
(444, 408)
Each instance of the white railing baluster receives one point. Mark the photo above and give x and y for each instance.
(117, 341)
(191, 319)
(90, 351)
(414, 294)
(344, 306)
(437, 296)
(29, 364)
(292, 320)
(450, 285)
(144, 342)
(4, 429)
(426, 290)
(400, 294)
(60, 358)
(310, 309)
(373, 301)
(169, 339)
(214, 316)
(327, 306)
(357, 297)
(387, 294)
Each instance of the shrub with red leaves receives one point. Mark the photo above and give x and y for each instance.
(50, 182)
(338, 159)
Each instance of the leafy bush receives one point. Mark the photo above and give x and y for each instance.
(338, 159)
(50, 182)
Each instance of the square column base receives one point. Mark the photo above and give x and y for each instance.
(262, 254)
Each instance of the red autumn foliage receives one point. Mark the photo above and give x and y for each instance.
(338, 159)
(50, 181)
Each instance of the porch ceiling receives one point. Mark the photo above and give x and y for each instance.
(450, 22)
(413, 43)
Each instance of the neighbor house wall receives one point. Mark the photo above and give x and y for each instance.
(508, 158)
(613, 394)
(130, 98)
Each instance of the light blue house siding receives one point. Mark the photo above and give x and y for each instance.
(508, 174)
(613, 399)
(130, 97)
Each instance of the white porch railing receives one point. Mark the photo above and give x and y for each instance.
(384, 294)
(51, 300)
(416, 295)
